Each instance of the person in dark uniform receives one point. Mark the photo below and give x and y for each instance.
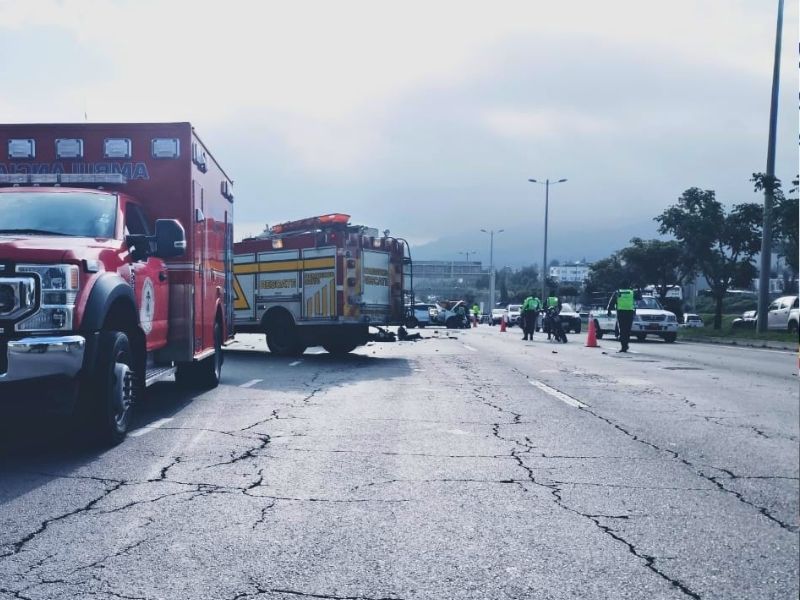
(528, 315)
(551, 311)
(624, 301)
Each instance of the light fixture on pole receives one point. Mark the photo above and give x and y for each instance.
(491, 233)
(546, 183)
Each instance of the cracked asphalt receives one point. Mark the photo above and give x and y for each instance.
(469, 465)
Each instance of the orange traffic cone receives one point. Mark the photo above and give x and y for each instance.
(591, 338)
(503, 324)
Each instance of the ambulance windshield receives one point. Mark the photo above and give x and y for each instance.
(78, 214)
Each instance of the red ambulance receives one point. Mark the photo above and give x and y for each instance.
(116, 251)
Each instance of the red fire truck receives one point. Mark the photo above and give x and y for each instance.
(115, 266)
(319, 282)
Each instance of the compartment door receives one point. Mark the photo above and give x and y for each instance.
(319, 283)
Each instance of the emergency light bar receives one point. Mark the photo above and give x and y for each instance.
(62, 179)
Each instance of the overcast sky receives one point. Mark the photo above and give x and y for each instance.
(428, 118)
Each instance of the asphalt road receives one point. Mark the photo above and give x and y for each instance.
(470, 465)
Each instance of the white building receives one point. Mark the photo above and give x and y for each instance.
(575, 273)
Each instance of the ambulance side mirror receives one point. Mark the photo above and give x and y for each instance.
(170, 238)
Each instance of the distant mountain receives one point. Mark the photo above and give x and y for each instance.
(516, 247)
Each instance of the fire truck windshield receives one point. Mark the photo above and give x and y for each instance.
(58, 213)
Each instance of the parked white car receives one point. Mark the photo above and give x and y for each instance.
(650, 319)
(514, 312)
(778, 313)
(498, 314)
(691, 320)
(420, 316)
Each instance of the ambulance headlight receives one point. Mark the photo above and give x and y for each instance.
(59, 293)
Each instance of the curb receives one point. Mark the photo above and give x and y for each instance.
(742, 343)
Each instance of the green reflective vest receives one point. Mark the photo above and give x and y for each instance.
(476, 310)
(552, 302)
(625, 300)
(528, 304)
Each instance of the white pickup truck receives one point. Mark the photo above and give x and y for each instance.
(650, 319)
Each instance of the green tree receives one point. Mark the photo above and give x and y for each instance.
(722, 244)
(784, 218)
(658, 262)
(605, 276)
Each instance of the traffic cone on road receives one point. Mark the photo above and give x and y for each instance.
(503, 324)
(591, 338)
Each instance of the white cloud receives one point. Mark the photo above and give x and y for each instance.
(544, 123)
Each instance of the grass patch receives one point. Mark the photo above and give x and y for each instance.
(741, 334)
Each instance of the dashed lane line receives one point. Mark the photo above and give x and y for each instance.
(148, 428)
(251, 383)
(295, 363)
(470, 348)
(558, 395)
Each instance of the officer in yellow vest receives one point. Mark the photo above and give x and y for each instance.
(528, 316)
(476, 314)
(624, 301)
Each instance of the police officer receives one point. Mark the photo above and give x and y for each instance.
(528, 315)
(552, 310)
(476, 314)
(624, 301)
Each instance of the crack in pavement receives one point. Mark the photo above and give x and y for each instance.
(19, 545)
(648, 560)
(713, 479)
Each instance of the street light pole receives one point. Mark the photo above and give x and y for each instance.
(769, 186)
(491, 233)
(546, 183)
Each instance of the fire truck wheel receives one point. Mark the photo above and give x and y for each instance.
(282, 336)
(340, 348)
(112, 391)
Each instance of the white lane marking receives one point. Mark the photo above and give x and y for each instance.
(633, 352)
(251, 383)
(548, 370)
(295, 363)
(319, 352)
(469, 348)
(150, 427)
(559, 395)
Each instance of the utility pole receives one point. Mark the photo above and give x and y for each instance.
(491, 233)
(769, 187)
(545, 269)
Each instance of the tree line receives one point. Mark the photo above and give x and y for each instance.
(711, 241)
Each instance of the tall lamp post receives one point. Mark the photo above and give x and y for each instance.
(491, 233)
(769, 187)
(546, 183)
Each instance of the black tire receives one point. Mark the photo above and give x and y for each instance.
(205, 374)
(340, 348)
(670, 337)
(597, 331)
(412, 322)
(792, 326)
(282, 336)
(111, 393)
(577, 328)
(453, 323)
(641, 336)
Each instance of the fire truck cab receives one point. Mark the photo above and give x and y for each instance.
(115, 267)
(319, 282)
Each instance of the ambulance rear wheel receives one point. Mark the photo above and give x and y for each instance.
(206, 374)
